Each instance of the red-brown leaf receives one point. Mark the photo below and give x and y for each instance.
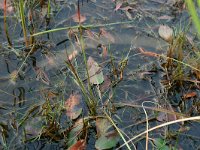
(162, 116)
(76, 18)
(189, 95)
(71, 105)
(147, 53)
(118, 5)
(79, 145)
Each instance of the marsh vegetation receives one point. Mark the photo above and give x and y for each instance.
(109, 74)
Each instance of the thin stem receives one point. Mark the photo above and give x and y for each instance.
(21, 9)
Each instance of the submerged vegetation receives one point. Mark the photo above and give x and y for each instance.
(116, 74)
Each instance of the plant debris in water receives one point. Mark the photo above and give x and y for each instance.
(99, 74)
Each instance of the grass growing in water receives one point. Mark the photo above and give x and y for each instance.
(76, 131)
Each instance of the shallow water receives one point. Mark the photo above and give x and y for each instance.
(28, 93)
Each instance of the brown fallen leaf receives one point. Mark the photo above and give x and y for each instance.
(71, 106)
(189, 95)
(95, 72)
(147, 53)
(102, 126)
(162, 116)
(79, 145)
(118, 5)
(75, 18)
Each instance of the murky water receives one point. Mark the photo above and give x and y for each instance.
(21, 100)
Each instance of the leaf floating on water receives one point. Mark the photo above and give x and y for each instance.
(75, 18)
(189, 95)
(160, 144)
(95, 72)
(147, 53)
(80, 145)
(118, 5)
(72, 106)
(74, 132)
(166, 33)
(102, 126)
(107, 141)
(162, 116)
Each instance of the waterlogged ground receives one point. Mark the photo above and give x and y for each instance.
(34, 85)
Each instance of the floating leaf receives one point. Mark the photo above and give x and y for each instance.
(107, 141)
(74, 132)
(160, 144)
(105, 85)
(79, 145)
(118, 5)
(166, 33)
(72, 106)
(189, 95)
(147, 53)
(162, 116)
(102, 126)
(75, 18)
(95, 72)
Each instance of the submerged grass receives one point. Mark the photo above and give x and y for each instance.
(53, 109)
